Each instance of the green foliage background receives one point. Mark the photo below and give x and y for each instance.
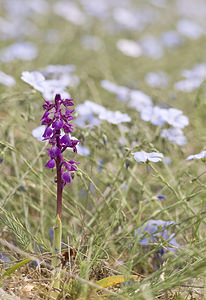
(101, 210)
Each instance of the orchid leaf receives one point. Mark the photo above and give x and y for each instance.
(16, 266)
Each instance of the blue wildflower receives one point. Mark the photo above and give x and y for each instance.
(127, 164)
(189, 29)
(82, 150)
(161, 197)
(92, 113)
(151, 47)
(129, 47)
(155, 115)
(199, 71)
(22, 188)
(51, 234)
(174, 135)
(88, 112)
(114, 117)
(201, 155)
(157, 79)
(139, 100)
(155, 231)
(175, 118)
(4, 258)
(172, 39)
(33, 264)
(159, 116)
(100, 165)
(143, 156)
(188, 85)
(38, 132)
(122, 92)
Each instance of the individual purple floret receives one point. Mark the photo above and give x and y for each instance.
(57, 119)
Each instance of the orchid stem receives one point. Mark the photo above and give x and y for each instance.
(56, 252)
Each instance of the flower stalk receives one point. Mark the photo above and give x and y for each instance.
(57, 241)
(57, 118)
(59, 183)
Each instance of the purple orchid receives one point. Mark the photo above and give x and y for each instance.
(57, 119)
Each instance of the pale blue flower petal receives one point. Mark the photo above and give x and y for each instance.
(143, 156)
(174, 135)
(200, 155)
(38, 132)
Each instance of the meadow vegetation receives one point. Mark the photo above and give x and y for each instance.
(126, 212)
